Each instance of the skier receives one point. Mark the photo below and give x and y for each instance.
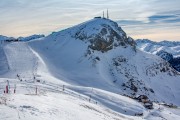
(7, 87)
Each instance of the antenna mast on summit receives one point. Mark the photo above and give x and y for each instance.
(107, 14)
(103, 14)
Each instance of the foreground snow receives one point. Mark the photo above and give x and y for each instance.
(52, 102)
(52, 106)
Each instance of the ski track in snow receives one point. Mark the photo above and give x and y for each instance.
(20, 59)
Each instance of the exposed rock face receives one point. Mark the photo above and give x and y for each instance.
(131, 41)
(106, 37)
(165, 55)
(160, 68)
(176, 63)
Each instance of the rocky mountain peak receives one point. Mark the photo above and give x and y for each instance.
(101, 34)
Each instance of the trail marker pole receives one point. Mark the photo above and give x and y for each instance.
(36, 90)
(63, 87)
(14, 88)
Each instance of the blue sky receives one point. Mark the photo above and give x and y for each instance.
(152, 19)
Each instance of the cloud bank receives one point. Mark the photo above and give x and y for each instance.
(153, 19)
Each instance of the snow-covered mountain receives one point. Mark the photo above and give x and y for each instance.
(6, 38)
(32, 37)
(171, 47)
(167, 50)
(96, 60)
(99, 54)
(174, 61)
(28, 38)
(165, 55)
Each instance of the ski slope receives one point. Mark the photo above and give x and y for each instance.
(51, 104)
(21, 60)
(24, 61)
(74, 103)
(3, 61)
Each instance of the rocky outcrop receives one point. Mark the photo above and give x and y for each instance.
(106, 38)
(175, 62)
(165, 55)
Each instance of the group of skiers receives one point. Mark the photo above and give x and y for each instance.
(7, 89)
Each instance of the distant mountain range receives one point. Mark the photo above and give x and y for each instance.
(6, 38)
(32, 37)
(167, 50)
(172, 47)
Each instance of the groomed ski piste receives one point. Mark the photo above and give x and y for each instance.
(44, 92)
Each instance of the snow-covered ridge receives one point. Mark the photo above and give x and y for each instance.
(28, 38)
(162, 43)
(32, 37)
(100, 34)
(6, 38)
(168, 50)
(172, 47)
(165, 55)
